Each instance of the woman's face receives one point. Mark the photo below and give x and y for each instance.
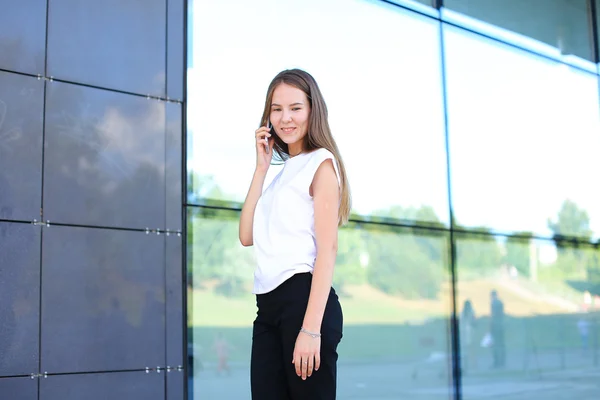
(290, 111)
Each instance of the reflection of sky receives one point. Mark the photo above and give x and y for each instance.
(379, 70)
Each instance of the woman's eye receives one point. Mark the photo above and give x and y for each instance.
(295, 109)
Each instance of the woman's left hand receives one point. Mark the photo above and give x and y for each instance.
(307, 355)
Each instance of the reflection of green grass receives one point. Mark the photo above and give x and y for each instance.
(360, 342)
(366, 307)
(375, 326)
(381, 327)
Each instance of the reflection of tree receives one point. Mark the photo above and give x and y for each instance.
(574, 262)
(518, 252)
(202, 187)
(571, 221)
(399, 264)
(215, 252)
(423, 213)
(405, 261)
(477, 254)
(352, 259)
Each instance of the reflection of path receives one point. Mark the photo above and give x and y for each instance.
(526, 293)
(393, 381)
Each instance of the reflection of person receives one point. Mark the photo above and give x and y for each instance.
(293, 227)
(467, 326)
(583, 326)
(587, 300)
(497, 330)
(222, 348)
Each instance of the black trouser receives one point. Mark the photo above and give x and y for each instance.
(277, 325)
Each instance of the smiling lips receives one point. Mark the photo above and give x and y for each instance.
(288, 130)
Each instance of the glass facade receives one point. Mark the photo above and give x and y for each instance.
(470, 132)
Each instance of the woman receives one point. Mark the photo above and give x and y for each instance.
(293, 227)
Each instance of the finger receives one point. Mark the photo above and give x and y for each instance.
(317, 361)
(262, 135)
(298, 363)
(262, 129)
(304, 367)
(263, 140)
(309, 369)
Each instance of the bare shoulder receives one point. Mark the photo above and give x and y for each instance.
(325, 179)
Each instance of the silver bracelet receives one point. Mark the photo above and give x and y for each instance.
(311, 334)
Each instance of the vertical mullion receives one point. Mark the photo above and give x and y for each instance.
(165, 263)
(43, 172)
(593, 18)
(454, 331)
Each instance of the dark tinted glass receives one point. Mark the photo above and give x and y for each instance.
(174, 174)
(118, 44)
(21, 102)
(19, 298)
(19, 388)
(103, 300)
(23, 36)
(559, 28)
(113, 386)
(175, 53)
(524, 142)
(528, 314)
(175, 306)
(104, 159)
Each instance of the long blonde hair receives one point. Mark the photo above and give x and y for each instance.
(319, 134)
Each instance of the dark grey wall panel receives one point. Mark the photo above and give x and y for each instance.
(174, 174)
(19, 298)
(105, 158)
(175, 387)
(175, 307)
(175, 50)
(21, 110)
(23, 36)
(117, 44)
(111, 386)
(103, 300)
(18, 389)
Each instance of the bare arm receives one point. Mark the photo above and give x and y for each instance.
(247, 216)
(263, 160)
(326, 197)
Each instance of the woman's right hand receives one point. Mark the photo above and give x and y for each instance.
(263, 138)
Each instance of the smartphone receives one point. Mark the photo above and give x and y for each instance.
(266, 138)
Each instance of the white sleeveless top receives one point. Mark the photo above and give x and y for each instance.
(284, 228)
